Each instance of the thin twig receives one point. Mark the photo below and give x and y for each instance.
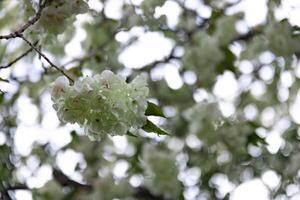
(4, 80)
(4, 192)
(31, 22)
(64, 180)
(140, 192)
(18, 58)
(247, 36)
(18, 187)
(47, 59)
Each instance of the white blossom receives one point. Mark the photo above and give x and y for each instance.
(103, 104)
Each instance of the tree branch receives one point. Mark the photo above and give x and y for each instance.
(18, 58)
(246, 36)
(4, 192)
(47, 59)
(63, 180)
(18, 187)
(144, 193)
(140, 192)
(31, 22)
(19, 34)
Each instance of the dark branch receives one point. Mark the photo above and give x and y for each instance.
(63, 180)
(31, 22)
(247, 36)
(18, 58)
(18, 187)
(19, 34)
(144, 193)
(140, 192)
(4, 192)
(46, 58)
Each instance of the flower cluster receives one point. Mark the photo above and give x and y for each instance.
(206, 53)
(283, 44)
(161, 167)
(211, 127)
(204, 125)
(103, 104)
(200, 59)
(225, 29)
(106, 188)
(54, 17)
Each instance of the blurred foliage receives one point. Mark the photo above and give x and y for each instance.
(206, 135)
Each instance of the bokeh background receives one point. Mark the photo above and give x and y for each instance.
(232, 103)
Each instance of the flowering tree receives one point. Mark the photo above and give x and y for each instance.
(217, 108)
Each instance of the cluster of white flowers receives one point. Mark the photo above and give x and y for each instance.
(207, 122)
(150, 5)
(102, 104)
(161, 167)
(204, 57)
(254, 48)
(204, 125)
(52, 190)
(225, 29)
(283, 44)
(293, 167)
(54, 17)
(106, 188)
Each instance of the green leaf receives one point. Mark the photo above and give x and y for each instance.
(151, 127)
(154, 110)
(76, 71)
(256, 140)
(181, 197)
(130, 134)
(216, 14)
(228, 61)
(296, 28)
(296, 31)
